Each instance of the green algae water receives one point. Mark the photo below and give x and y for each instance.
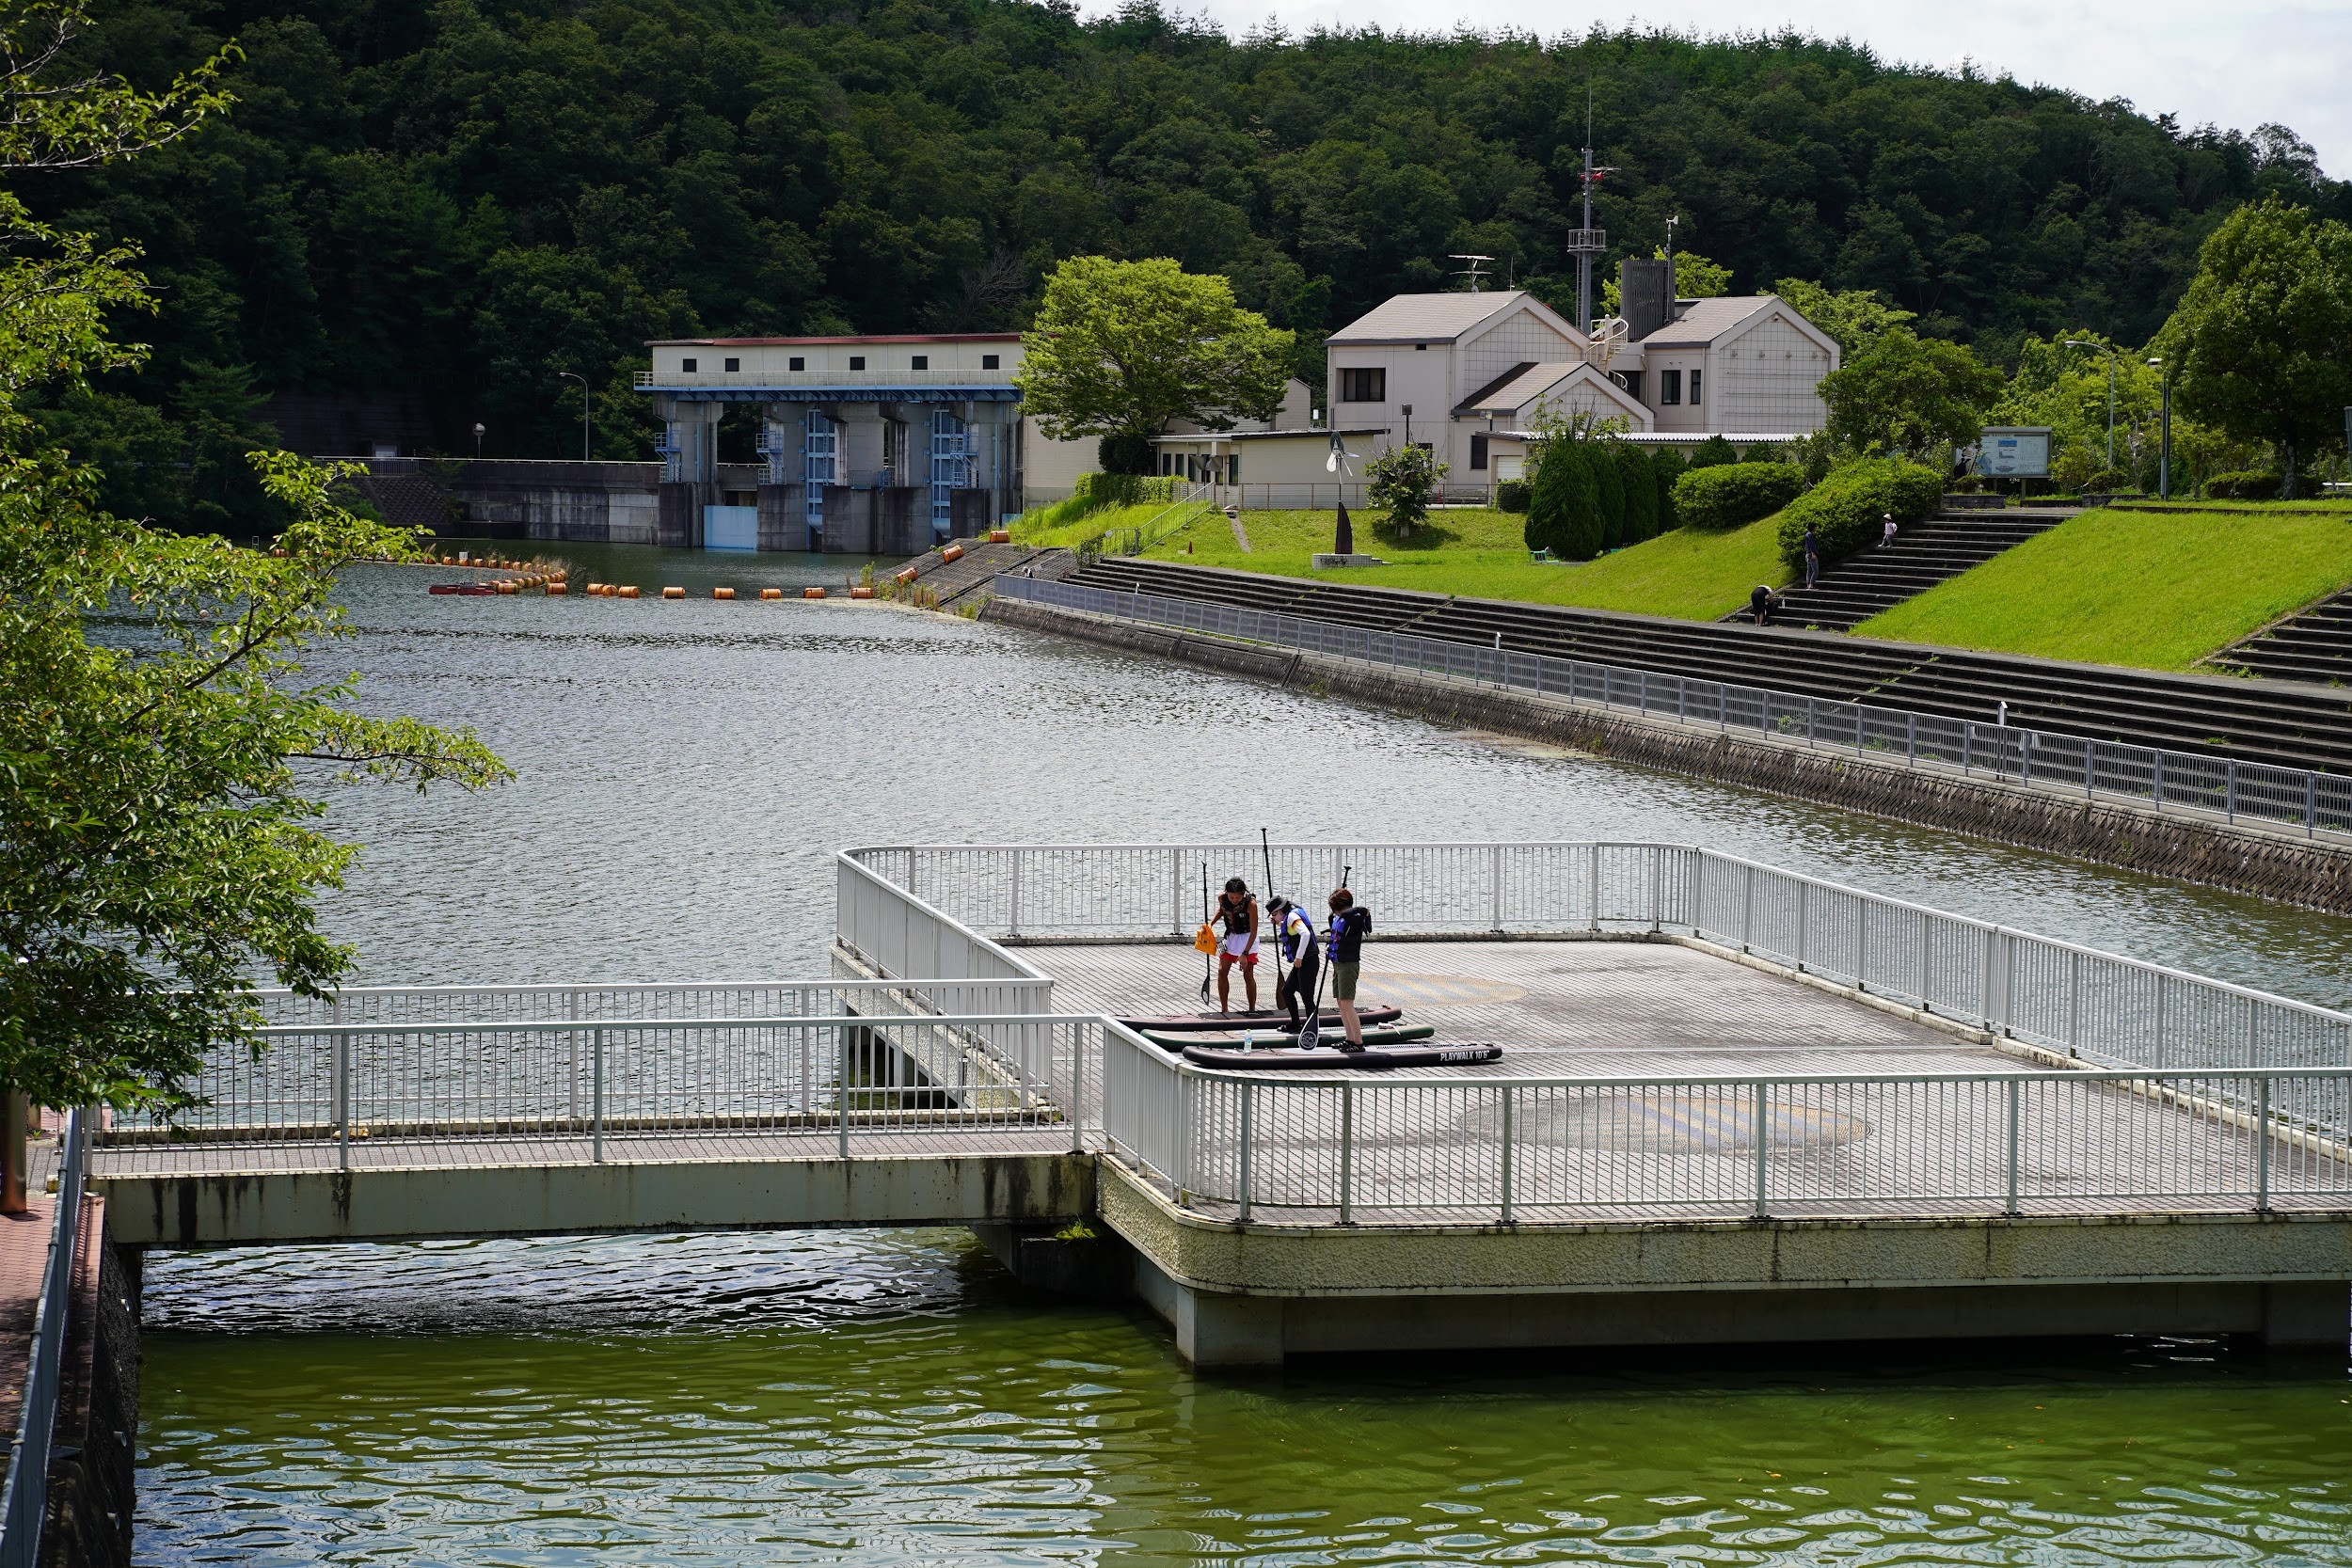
(687, 770)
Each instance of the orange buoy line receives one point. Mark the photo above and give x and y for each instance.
(862, 591)
(771, 592)
(951, 554)
(674, 593)
(627, 591)
(723, 592)
(812, 593)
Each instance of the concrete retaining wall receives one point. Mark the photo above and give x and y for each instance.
(92, 1468)
(2242, 858)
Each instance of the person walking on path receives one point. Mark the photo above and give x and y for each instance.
(1812, 556)
(1887, 536)
(1294, 950)
(1351, 923)
(1238, 911)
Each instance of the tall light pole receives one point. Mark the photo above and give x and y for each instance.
(2164, 441)
(575, 375)
(478, 431)
(2085, 342)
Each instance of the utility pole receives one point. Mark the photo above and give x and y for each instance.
(1588, 243)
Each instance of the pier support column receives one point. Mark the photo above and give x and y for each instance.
(1213, 1329)
(2318, 1314)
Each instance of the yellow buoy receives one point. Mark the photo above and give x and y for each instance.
(771, 592)
(812, 593)
(723, 592)
(628, 592)
(862, 591)
(674, 593)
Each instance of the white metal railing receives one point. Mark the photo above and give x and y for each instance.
(2076, 1001)
(25, 1501)
(2295, 798)
(1352, 1149)
(645, 1086)
(598, 1001)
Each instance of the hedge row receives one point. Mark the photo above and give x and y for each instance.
(1591, 495)
(1850, 507)
(1732, 495)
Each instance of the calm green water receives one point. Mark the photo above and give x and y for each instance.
(688, 770)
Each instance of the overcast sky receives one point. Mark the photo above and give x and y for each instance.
(2233, 64)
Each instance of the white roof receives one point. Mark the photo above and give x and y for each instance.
(1428, 318)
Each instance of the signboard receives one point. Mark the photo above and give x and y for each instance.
(2013, 451)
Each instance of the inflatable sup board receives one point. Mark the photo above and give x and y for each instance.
(1225, 1023)
(1401, 1033)
(1329, 1058)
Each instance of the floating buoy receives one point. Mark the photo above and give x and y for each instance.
(723, 592)
(628, 591)
(952, 553)
(771, 592)
(1000, 536)
(907, 575)
(506, 586)
(674, 593)
(556, 589)
(862, 591)
(812, 593)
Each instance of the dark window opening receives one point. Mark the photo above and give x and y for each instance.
(857, 361)
(1365, 385)
(1669, 388)
(1694, 389)
(990, 361)
(686, 366)
(1421, 348)
(1478, 450)
(733, 363)
(1631, 381)
(799, 363)
(922, 361)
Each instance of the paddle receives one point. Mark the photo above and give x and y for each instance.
(1208, 960)
(1310, 1035)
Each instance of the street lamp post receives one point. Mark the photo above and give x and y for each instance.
(2085, 342)
(2164, 440)
(479, 430)
(575, 375)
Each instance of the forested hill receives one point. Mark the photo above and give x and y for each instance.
(448, 203)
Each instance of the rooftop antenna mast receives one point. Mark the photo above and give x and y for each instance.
(1588, 244)
(1471, 271)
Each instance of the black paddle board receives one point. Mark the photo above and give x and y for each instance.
(1267, 1039)
(1219, 1023)
(1327, 1059)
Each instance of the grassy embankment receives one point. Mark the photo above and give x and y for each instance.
(2151, 590)
(1482, 554)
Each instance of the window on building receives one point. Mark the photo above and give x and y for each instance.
(1631, 381)
(686, 365)
(1365, 385)
(798, 362)
(1694, 389)
(990, 363)
(1478, 450)
(921, 362)
(733, 363)
(1669, 388)
(857, 361)
(1421, 348)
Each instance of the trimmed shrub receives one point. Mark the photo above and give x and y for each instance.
(1609, 489)
(1641, 491)
(1848, 508)
(1665, 466)
(1563, 503)
(2243, 485)
(1733, 495)
(1511, 496)
(1125, 452)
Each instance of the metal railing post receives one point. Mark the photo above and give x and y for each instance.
(2229, 799)
(1594, 889)
(2074, 1004)
(2016, 1098)
(1911, 740)
(1763, 1142)
(1657, 886)
(1249, 1110)
(1013, 926)
(1078, 1086)
(1347, 1153)
(596, 1148)
(1510, 1096)
(1805, 917)
(2261, 1148)
(2159, 780)
(1747, 904)
(1495, 864)
(342, 1101)
(841, 1099)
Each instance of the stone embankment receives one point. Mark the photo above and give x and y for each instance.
(2243, 858)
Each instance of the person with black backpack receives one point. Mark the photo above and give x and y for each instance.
(1351, 923)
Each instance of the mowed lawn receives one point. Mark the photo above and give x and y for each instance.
(2153, 590)
(1482, 554)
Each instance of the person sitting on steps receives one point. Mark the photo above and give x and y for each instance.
(1238, 911)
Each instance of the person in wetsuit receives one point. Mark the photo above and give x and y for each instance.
(1238, 911)
(1350, 923)
(1295, 949)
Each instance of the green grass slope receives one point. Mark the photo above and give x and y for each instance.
(2147, 590)
(1482, 554)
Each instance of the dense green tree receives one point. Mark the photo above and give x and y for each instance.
(1122, 348)
(2262, 338)
(1667, 466)
(164, 755)
(1907, 394)
(1854, 317)
(1640, 483)
(1608, 491)
(1398, 482)
(423, 213)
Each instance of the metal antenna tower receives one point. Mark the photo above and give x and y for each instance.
(1588, 243)
(1471, 271)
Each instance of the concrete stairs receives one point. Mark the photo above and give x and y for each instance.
(965, 581)
(1925, 553)
(2296, 726)
(2312, 645)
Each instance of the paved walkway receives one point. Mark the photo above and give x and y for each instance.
(23, 1252)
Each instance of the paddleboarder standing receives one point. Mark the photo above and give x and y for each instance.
(1295, 947)
(1238, 911)
(1350, 923)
